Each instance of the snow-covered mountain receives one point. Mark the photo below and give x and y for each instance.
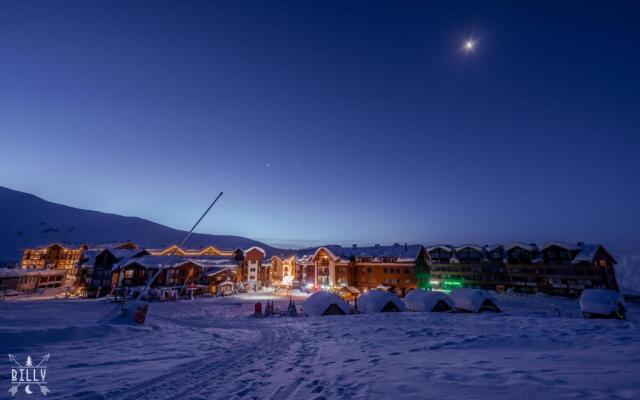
(27, 220)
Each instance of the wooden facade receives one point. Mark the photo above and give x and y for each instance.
(54, 256)
(222, 282)
(28, 281)
(138, 273)
(96, 272)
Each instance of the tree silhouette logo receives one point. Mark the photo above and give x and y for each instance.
(29, 375)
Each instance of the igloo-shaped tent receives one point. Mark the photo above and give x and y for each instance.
(324, 303)
(421, 300)
(375, 301)
(602, 303)
(474, 300)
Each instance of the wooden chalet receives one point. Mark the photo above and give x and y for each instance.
(96, 271)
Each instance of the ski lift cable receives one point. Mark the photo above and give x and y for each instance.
(154, 276)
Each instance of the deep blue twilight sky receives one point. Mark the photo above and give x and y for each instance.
(331, 121)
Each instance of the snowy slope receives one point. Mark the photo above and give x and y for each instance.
(29, 220)
(538, 348)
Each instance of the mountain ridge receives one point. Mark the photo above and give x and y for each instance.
(28, 220)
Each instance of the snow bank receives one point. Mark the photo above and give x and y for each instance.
(601, 302)
(324, 303)
(473, 300)
(628, 273)
(375, 301)
(133, 312)
(421, 300)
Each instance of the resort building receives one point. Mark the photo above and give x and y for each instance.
(469, 265)
(565, 269)
(283, 269)
(61, 256)
(17, 281)
(556, 268)
(253, 271)
(339, 268)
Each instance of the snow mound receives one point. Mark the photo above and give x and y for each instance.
(375, 301)
(421, 300)
(474, 300)
(601, 302)
(324, 303)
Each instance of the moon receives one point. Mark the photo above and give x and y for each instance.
(27, 390)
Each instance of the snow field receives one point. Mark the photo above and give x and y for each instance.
(211, 348)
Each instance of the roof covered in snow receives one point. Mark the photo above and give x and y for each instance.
(11, 272)
(562, 245)
(260, 249)
(445, 247)
(472, 246)
(400, 251)
(168, 262)
(493, 247)
(525, 246)
(588, 253)
(64, 245)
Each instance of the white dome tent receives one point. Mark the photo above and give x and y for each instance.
(324, 303)
(474, 300)
(602, 303)
(375, 301)
(424, 301)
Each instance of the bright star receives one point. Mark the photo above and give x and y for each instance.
(469, 45)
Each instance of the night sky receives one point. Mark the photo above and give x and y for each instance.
(327, 122)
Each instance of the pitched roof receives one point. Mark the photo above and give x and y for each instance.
(446, 247)
(526, 246)
(166, 262)
(473, 246)
(562, 245)
(401, 252)
(588, 253)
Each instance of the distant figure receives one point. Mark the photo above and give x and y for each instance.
(292, 311)
(258, 309)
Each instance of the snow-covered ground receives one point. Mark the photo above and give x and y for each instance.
(538, 348)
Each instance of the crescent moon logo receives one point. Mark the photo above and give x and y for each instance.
(27, 390)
